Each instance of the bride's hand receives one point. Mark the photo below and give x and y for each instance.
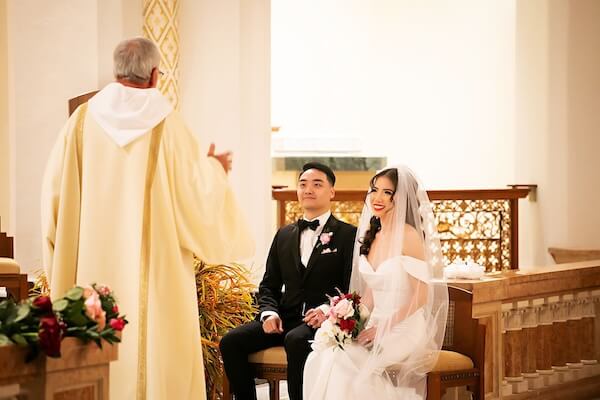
(365, 338)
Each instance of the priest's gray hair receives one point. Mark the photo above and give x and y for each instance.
(134, 60)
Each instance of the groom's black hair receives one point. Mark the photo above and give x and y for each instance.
(320, 167)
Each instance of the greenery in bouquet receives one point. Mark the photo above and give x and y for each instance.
(90, 314)
(224, 302)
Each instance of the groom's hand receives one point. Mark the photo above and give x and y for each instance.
(314, 317)
(272, 324)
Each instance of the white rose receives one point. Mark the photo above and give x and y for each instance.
(323, 337)
(364, 312)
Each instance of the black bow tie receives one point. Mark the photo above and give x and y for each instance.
(303, 224)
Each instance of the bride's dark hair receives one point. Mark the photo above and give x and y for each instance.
(375, 223)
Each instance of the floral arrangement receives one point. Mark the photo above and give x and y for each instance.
(345, 319)
(90, 314)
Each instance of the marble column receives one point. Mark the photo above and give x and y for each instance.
(573, 339)
(544, 329)
(586, 333)
(512, 321)
(594, 308)
(559, 334)
(530, 339)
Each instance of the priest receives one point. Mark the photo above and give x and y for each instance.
(128, 197)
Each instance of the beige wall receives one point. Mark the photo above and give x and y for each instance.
(225, 97)
(425, 83)
(583, 124)
(4, 137)
(557, 124)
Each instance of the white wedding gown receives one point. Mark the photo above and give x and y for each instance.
(332, 373)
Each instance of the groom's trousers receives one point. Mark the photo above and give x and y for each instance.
(238, 343)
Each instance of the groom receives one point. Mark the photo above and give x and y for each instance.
(308, 260)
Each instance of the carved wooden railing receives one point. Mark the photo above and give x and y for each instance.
(542, 331)
(474, 225)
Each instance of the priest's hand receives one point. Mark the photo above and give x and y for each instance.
(272, 324)
(314, 317)
(225, 159)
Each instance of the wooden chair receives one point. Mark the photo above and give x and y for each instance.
(79, 100)
(270, 365)
(11, 278)
(460, 363)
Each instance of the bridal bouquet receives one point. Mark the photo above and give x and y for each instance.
(345, 319)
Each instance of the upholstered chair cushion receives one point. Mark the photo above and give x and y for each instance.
(452, 361)
(9, 266)
(274, 355)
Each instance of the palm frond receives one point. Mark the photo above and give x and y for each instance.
(224, 302)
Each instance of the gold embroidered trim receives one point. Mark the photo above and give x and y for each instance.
(79, 145)
(144, 261)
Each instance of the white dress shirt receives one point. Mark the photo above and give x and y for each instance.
(308, 240)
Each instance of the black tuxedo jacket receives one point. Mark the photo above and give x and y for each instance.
(290, 288)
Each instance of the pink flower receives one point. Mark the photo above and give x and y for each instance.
(88, 291)
(115, 309)
(104, 290)
(343, 309)
(333, 300)
(325, 238)
(93, 309)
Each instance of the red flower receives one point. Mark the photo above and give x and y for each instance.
(115, 309)
(50, 335)
(43, 303)
(347, 325)
(117, 324)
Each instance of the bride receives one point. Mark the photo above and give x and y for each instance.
(397, 270)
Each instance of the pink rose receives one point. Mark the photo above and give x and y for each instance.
(343, 309)
(88, 291)
(93, 309)
(104, 290)
(325, 238)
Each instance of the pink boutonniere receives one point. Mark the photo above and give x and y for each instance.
(325, 238)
